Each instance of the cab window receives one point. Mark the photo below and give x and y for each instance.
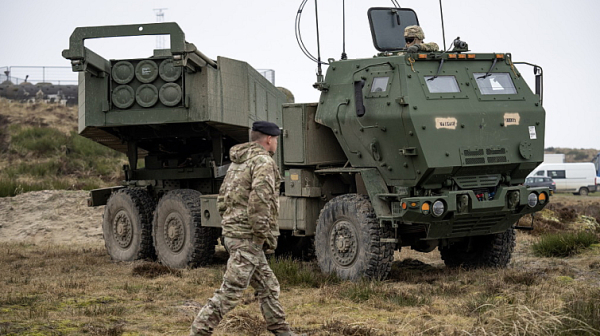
(442, 84)
(380, 84)
(494, 83)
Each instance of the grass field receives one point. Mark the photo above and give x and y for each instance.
(76, 290)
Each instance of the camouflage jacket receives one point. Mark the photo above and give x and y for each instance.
(429, 46)
(249, 196)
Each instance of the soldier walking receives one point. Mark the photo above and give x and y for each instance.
(249, 205)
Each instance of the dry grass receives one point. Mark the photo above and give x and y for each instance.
(71, 290)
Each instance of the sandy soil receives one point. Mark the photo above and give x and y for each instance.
(50, 216)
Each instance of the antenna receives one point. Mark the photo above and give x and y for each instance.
(443, 31)
(160, 17)
(344, 56)
(319, 72)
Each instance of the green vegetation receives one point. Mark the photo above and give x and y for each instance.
(563, 244)
(293, 273)
(46, 158)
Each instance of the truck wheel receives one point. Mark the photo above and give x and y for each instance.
(179, 239)
(348, 237)
(584, 191)
(127, 225)
(484, 251)
(299, 248)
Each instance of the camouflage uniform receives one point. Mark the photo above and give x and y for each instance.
(248, 202)
(417, 32)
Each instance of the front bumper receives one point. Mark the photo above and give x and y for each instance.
(469, 214)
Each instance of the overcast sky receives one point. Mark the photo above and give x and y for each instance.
(560, 36)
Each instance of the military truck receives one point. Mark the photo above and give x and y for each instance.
(420, 150)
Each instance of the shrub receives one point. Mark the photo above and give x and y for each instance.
(39, 140)
(563, 245)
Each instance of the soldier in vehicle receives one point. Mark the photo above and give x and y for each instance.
(414, 37)
(249, 205)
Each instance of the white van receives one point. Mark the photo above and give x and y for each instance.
(578, 178)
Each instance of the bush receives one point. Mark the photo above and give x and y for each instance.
(563, 245)
(39, 140)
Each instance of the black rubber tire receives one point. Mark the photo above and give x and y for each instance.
(127, 225)
(191, 245)
(298, 248)
(583, 191)
(353, 215)
(485, 251)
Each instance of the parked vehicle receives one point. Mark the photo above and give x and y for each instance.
(541, 182)
(396, 153)
(578, 178)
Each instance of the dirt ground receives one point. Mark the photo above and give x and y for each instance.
(50, 217)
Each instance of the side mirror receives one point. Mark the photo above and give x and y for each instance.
(539, 82)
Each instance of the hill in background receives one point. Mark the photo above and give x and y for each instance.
(574, 155)
(40, 149)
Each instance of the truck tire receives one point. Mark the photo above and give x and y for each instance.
(348, 238)
(127, 225)
(179, 239)
(584, 191)
(485, 251)
(298, 248)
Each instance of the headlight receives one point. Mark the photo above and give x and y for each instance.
(532, 200)
(438, 208)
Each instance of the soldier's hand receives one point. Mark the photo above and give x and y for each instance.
(413, 48)
(270, 244)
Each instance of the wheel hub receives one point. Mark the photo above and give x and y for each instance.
(122, 229)
(343, 243)
(174, 232)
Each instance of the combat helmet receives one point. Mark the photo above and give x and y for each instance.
(414, 31)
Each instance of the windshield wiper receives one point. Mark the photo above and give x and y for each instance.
(438, 72)
(487, 74)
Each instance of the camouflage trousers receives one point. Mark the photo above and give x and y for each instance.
(247, 265)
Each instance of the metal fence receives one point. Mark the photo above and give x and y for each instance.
(58, 75)
(63, 75)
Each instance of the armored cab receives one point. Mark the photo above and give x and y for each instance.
(438, 146)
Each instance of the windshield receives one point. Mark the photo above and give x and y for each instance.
(494, 83)
(442, 84)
